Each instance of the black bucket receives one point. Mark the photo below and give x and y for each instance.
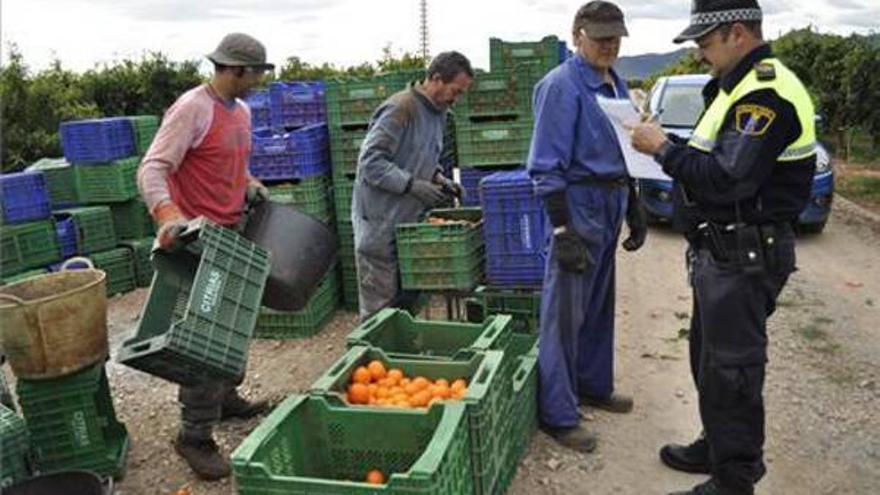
(63, 483)
(302, 249)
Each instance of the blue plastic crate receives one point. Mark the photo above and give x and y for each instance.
(297, 104)
(470, 181)
(259, 104)
(24, 197)
(97, 140)
(515, 228)
(298, 154)
(67, 236)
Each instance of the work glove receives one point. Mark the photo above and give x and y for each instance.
(636, 221)
(256, 193)
(569, 248)
(427, 192)
(171, 223)
(449, 186)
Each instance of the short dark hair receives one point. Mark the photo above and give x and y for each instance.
(753, 26)
(448, 65)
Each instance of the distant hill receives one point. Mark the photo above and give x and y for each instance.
(642, 66)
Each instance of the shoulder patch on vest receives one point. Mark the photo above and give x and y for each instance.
(765, 71)
(753, 120)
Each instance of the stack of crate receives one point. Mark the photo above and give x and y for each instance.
(14, 447)
(350, 104)
(27, 230)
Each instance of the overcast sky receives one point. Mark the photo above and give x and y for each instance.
(82, 33)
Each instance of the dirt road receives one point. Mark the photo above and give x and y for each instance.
(822, 394)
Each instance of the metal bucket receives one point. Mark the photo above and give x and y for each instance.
(302, 250)
(55, 324)
(62, 483)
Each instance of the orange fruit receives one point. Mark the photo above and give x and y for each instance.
(372, 388)
(375, 477)
(459, 394)
(441, 392)
(420, 399)
(411, 388)
(441, 382)
(377, 370)
(404, 382)
(358, 393)
(361, 375)
(382, 392)
(458, 385)
(421, 382)
(395, 375)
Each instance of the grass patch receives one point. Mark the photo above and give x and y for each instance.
(862, 189)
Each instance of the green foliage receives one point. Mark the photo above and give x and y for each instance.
(688, 64)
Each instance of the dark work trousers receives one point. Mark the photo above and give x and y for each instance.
(728, 354)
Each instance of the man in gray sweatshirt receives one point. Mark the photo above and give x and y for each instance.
(399, 175)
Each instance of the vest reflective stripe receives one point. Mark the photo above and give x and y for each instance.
(787, 85)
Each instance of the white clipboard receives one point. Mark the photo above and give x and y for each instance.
(623, 116)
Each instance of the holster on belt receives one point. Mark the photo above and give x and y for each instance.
(751, 247)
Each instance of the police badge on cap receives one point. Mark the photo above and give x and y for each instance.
(707, 15)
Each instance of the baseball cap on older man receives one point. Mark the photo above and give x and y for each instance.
(240, 50)
(600, 19)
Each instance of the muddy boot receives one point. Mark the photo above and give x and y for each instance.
(693, 458)
(616, 403)
(235, 406)
(577, 438)
(713, 487)
(203, 457)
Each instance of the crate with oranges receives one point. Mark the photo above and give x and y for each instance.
(368, 378)
(317, 444)
(401, 336)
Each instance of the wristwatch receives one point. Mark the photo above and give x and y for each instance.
(560, 230)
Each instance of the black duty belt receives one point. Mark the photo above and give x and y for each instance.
(740, 243)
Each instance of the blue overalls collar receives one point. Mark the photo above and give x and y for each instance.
(591, 76)
(729, 81)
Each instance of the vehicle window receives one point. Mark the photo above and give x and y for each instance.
(682, 105)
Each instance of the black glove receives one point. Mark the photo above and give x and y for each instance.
(426, 192)
(571, 252)
(636, 221)
(449, 186)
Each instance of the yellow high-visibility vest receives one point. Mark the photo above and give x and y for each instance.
(787, 85)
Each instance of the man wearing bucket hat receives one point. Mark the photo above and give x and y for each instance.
(741, 180)
(197, 166)
(579, 172)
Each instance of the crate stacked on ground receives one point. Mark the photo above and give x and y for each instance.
(311, 196)
(498, 394)
(144, 128)
(97, 140)
(296, 104)
(131, 219)
(14, 447)
(60, 181)
(283, 156)
(494, 119)
(140, 254)
(543, 55)
(104, 183)
(445, 252)
(260, 106)
(523, 304)
(27, 246)
(72, 423)
(272, 324)
(202, 308)
(24, 197)
(515, 228)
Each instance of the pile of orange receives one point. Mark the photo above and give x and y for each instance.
(375, 386)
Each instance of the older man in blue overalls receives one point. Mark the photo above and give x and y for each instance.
(579, 171)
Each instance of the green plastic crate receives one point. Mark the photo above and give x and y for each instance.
(345, 147)
(306, 322)
(145, 128)
(28, 245)
(112, 182)
(352, 101)
(131, 219)
(493, 143)
(24, 276)
(343, 191)
(460, 277)
(350, 290)
(426, 240)
(60, 180)
(499, 93)
(311, 196)
(524, 304)
(313, 445)
(94, 225)
(141, 250)
(346, 236)
(118, 263)
(72, 423)
(202, 308)
(485, 400)
(543, 54)
(401, 336)
(14, 448)
(520, 422)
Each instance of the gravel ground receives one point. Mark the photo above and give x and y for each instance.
(823, 384)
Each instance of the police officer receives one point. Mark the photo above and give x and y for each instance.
(741, 180)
